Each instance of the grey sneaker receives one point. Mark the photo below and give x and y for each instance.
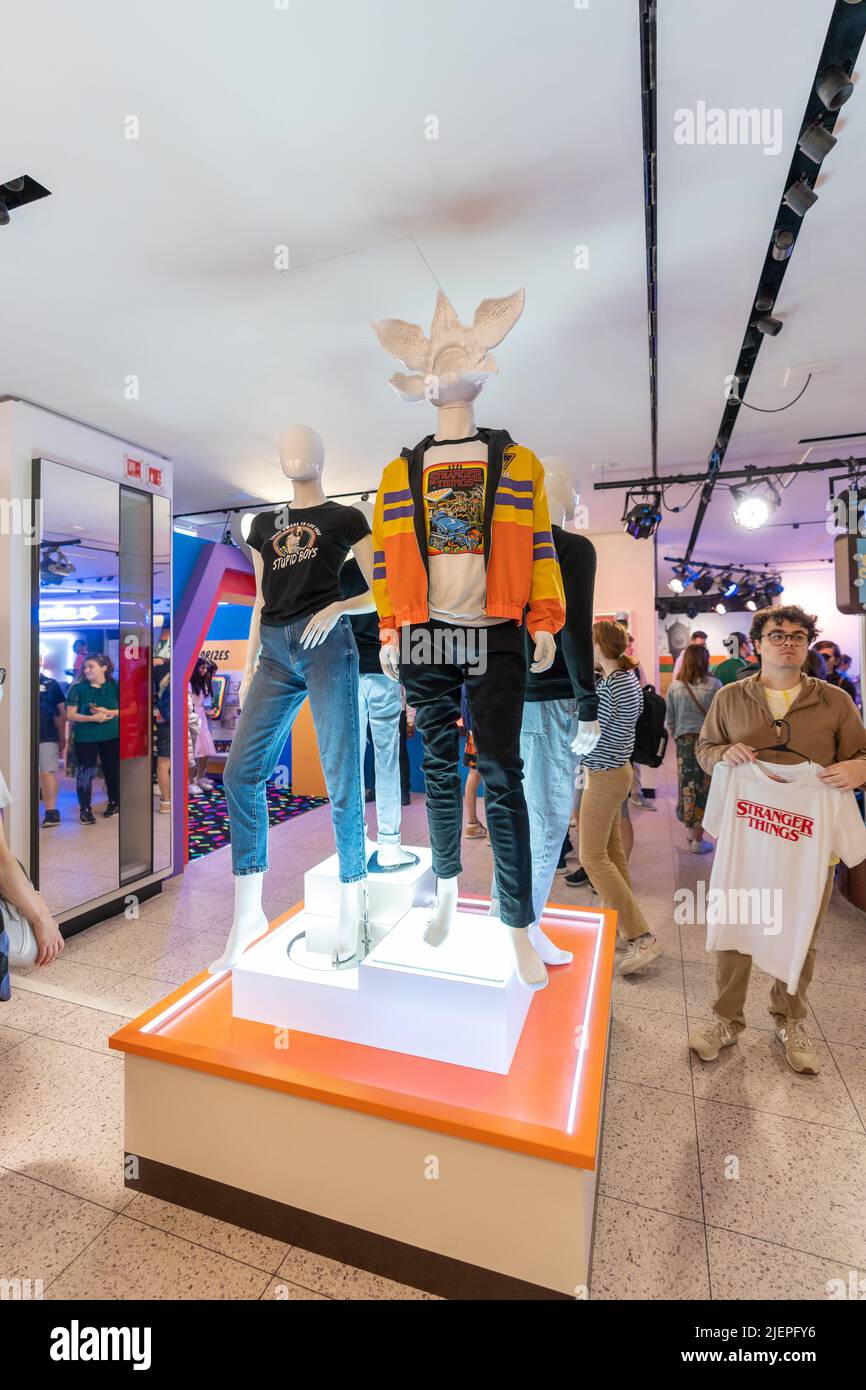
(639, 953)
(799, 1048)
(709, 1040)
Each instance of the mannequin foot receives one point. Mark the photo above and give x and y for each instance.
(549, 953)
(439, 925)
(243, 933)
(531, 970)
(249, 921)
(392, 856)
(353, 931)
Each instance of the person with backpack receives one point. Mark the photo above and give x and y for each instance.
(608, 777)
(688, 700)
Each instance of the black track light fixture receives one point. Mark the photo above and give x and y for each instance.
(704, 582)
(783, 243)
(800, 197)
(834, 86)
(816, 142)
(769, 326)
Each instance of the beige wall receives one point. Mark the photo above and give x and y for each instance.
(625, 581)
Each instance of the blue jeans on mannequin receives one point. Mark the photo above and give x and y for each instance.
(286, 675)
(547, 732)
(380, 702)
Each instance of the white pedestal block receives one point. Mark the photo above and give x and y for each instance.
(460, 1002)
(390, 895)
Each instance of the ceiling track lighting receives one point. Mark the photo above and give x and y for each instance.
(643, 518)
(783, 243)
(769, 326)
(816, 142)
(704, 582)
(834, 86)
(800, 197)
(755, 504)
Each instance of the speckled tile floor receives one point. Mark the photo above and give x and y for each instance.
(733, 1180)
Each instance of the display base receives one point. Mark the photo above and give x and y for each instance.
(460, 1182)
(460, 1002)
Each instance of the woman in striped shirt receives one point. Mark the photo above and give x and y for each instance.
(608, 782)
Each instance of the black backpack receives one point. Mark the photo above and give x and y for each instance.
(650, 734)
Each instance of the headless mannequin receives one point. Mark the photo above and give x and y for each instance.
(302, 459)
(562, 501)
(389, 856)
(455, 377)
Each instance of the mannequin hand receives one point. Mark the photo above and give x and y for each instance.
(389, 655)
(320, 625)
(588, 734)
(545, 651)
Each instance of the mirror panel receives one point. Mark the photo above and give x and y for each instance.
(162, 532)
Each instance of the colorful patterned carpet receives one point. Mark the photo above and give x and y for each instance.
(209, 819)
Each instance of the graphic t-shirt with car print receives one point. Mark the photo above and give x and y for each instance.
(455, 482)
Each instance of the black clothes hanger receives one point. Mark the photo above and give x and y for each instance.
(782, 747)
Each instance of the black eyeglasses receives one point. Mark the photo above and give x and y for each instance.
(778, 639)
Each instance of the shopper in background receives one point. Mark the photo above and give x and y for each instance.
(825, 727)
(204, 748)
(844, 668)
(739, 650)
(92, 708)
(832, 655)
(79, 656)
(688, 700)
(636, 795)
(608, 774)
(815, 665)
(700, 639)
(52, 743)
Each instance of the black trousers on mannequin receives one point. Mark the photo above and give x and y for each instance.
(495, 688)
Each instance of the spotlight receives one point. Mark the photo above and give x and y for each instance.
(769, 326)
(14, 185)
(765, 299)
(834, 87)
(754, 509)
(5, 219)
(783, 243)
(682, 577)
(800, 197)
(704, 582)
(719, 607)
(751, 605)
(729, 586)
(644, 518)
(775, 587)
(691, 610)
(816, 142)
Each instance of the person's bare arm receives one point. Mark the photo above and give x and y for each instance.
(17, 889)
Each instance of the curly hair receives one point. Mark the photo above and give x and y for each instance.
(784, 613)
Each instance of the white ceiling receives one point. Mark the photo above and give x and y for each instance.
(305, 127)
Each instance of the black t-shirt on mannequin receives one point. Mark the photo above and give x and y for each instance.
(364, 625)
(302, 550)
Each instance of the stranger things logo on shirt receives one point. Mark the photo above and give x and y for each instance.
(296, 543)
(772, 820)
(454, 493)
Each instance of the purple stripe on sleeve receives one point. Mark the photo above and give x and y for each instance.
(507, 500)
(404, 496)
(539, 537)
(544, 552)
(519, 485)
(397, 513)
(378, 557)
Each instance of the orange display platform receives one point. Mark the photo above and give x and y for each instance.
(192, 1066)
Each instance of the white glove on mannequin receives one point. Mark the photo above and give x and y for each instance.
(545, 651)
(587, 736)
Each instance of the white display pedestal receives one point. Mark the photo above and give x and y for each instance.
(389, 895)
(459, 1002)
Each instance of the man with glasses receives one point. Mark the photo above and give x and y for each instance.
(824, 725)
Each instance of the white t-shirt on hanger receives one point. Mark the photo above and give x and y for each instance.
(776, 827)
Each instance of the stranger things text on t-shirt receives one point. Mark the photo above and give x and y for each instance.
(772, 820)
(454, 494)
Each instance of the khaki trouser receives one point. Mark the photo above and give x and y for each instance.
(733, 970)
(601, 851)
